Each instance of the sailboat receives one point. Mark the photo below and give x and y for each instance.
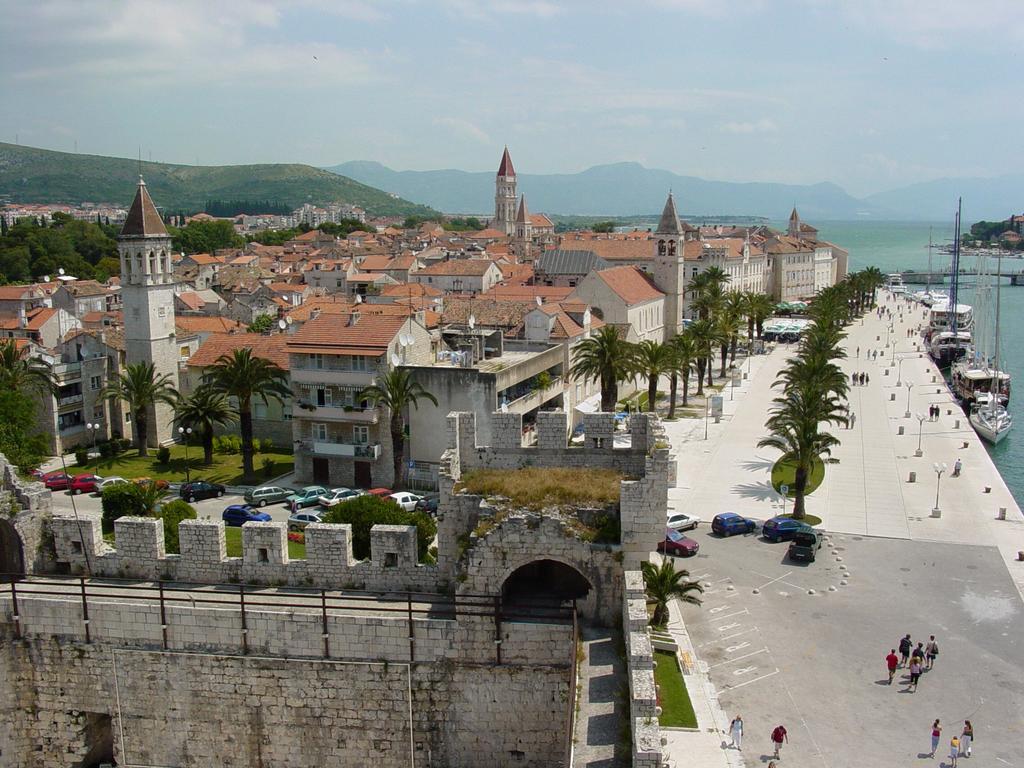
(990, 419)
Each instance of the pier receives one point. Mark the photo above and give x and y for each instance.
(940, 277)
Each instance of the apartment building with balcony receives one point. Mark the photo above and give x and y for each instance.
(340, 440)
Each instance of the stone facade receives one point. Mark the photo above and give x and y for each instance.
(26, 541)
(643, 695)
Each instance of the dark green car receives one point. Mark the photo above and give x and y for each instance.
(306, 497)
(267, 494)
(805, 545)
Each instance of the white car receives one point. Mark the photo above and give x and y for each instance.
(406, 500)
(300, 520)
(679, 521)
(106, 482)
(335, 496)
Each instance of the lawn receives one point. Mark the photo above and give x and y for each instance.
(784, 473)
(536, 488)
(676, 708)
(226, 467)
(233, 542)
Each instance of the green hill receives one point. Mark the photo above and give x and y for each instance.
(30, 175)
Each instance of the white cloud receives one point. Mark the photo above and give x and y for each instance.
(480, 10)
(764, 125)
(935, 24)
(464, 128)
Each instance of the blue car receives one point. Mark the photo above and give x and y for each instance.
(781, 528)
(728, 523)
(239, 514)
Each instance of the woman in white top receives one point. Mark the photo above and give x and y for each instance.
(736, 732)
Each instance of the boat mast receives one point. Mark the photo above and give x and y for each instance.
(994, 400)
(954, 279)
(928, 280)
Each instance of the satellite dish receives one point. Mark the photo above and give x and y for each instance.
(288, 319)
(395, 359)
(472, 322)
(60, 271)
(46, 278)
(586, 317)
(359, 299)
(282, 324)
(540, 301)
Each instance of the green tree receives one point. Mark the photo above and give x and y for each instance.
(396, 390)
(21, 373)
(245, 377)
(664, 584)
(364, 512)
(261, 324)
(603, 226)
(684, 352)
(130, 499)
(141, 388)
(204, 411)
(607, 357)
(703, 335)
(19, 440)
(759, 308)
(651, 360)
(172, 513)
(205, 237)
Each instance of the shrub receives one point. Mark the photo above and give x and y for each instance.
(268, 466)
(227, 444)
(123, 444)
(364, 512)
(163, 455)
(266, 445)
(108, 450)
(120, 500)
(81, 456)
(173, 513)
(298, 538)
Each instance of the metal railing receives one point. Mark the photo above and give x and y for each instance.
(408, 605)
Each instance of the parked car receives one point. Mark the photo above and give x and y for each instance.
(781, 528)
(161, 485)
(682, 522)
(200, 489)
(38, 474)
(300, 520)
(240, 514)
(675, 543)
(406, 500)
(106, 482)
(728, 523)
(85, 483)
(428, 503)
(379, 492)
(306, 497)
(267, 494)
(335, 496)
(57, 481)
(805, 544)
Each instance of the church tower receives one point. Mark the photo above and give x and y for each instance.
(522, 241)
(147, 292)
(794, 223)
(505, 196)
(669, 269)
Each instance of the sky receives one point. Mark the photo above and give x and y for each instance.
(868, 94)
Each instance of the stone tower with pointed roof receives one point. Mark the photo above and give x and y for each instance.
(522, 240)
(147, 292)
(669, 269)
(794, 223)
(505, 196)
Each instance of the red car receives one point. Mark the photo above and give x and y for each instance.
(380, 492)
(85, 483)
(57, 481)
(677, 544)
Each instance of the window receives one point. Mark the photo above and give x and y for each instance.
(184, 352)
(360, 435)
(259, 410)
(390, 559)
(358, 362)
(316, 361)
(97, 413)
(319, 431)
(95, 382)
(127, 418)
(323, 397)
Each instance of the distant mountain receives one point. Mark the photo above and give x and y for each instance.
(620, 189)
(992, 199)
(30, 175)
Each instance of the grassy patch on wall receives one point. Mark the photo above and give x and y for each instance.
(536, 488)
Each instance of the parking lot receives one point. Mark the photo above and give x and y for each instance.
(804, 645)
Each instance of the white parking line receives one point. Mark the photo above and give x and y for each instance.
(729, 616)
(729, 637)
(748, 682)
(738, 658)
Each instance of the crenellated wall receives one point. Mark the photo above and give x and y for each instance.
(643, 696)
(30, 548)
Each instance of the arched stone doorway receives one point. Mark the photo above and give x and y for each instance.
(12, 560)
(547, 579)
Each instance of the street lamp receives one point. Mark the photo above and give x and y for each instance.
(185, 433)
(939, 469)
(920, 433)
(910, 386)
(899, 372)
(93, 428)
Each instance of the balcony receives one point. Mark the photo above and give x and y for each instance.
(341, 376)
(339, 448)
(70, 400)
(536, 398)
(337, 413)
(67, 372)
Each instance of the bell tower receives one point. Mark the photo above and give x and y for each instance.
(147, 292)
(523, 239)
(669, 270)
(505, 196)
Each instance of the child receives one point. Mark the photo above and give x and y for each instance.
(954, 751)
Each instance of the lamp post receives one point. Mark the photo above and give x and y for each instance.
(899, 372)
(910, 386)
(939, 469)
(920, 433)
(185, 433)
(93, 428)
(707, 412)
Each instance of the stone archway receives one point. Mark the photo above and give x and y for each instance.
(548, 579)
(12, 558)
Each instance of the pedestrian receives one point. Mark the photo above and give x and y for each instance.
(862, 377)
(736, 733)
(931, 412)
(858, 352)
(892, 661)
(915, 672)
(779, 735)
(931, 651)
(966, 738)
(918, 653)
(853, 379)
(954, 751)
(905, 646)
(957, 467)
(867, 379)
(853, 420)
(936, 735)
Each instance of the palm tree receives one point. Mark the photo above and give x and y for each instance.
(141, 387)
(736, 309)
(397, 390)
(702, 332)
(728, 326)
(652, 360)
(664, 583)
(684, 353)
(760, 308)
(243, 376)
(873, 280)
(203, 412)
(148, 496)
(20, 373)
(607, 357)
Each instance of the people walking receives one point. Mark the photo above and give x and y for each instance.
(966, 738)
(915, 672)
(853, 379)
(957, 466)
(736, 733)
(918, 653)
(891, 662)
(858, 352)
(936, 735)
(931, 651)
(954, 751)
(779, 735)
(867, 379)
(905, 646)
(863, 376)
(852, 421)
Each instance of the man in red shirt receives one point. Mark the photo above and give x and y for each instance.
(778, 736)
(892, 661)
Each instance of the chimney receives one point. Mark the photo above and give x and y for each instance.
(353, 319)
(314, 314)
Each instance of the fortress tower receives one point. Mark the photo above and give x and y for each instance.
(669, 269)
(147, 291)
(505, 196)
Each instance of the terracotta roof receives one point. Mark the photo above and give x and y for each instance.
(19, 292)
(207, 324)
(613, 249)
(287, 287)
(370, 335)
(86, 288)
(540, 220)
(516, 273)
(143, 219)
(630, 284)
(475, 267)
(204, 258)
(506, 169)
(270, 348)
(494, 314)
(529, 292)
(190, 299)
(375, 263)
(486, 234)
(404, 290)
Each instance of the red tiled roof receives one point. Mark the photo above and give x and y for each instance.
(375, 263)
(333, 334)
(190, 299)
(18, 292)
(529, 292)
(205, 258)
(506, 169)
(270, 348)
(404, 290)
(630, 284)
(486, 234)
(459, 267)
(39, 318)
(207, 324)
